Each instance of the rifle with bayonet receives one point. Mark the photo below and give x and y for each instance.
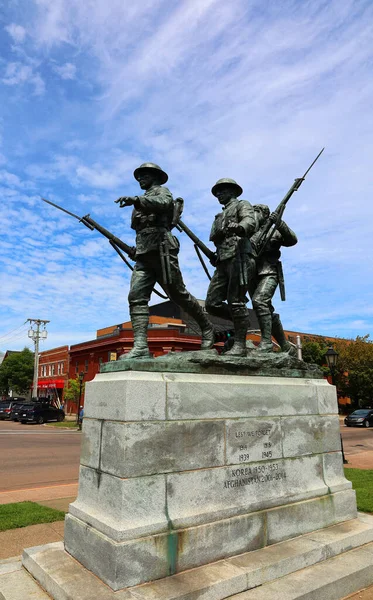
(199, 246)
(206, 251)
(116, 243)
(271, 227)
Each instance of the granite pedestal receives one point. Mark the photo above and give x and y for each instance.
(179, 470)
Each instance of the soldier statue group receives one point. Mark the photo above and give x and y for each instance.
(247, 239)
(238, 268)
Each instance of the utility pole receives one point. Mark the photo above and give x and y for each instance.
(299, 347)
(36, 335)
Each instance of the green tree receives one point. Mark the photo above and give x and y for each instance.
(16, 372)
(355, 369)
(314, 352)
(72, 391)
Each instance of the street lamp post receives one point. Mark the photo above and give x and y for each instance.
(331, 357)
(81, 377)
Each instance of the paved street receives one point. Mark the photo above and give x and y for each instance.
(33, 456)
(358, 446)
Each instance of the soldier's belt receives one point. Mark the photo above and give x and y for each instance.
(153, 229)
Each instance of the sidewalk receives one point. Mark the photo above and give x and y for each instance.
(69, 490)
(13, 541)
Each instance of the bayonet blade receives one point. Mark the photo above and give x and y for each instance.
(317, 157)
(60, 208)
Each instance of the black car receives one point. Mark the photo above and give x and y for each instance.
(362, 417)
(16, 409)
(40, 412)
(7, 406)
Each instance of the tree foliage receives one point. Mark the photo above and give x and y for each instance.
(355, 369)
(72, 391)
(314, 352)
(16, 372)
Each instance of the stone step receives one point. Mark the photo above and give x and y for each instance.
(342, 556)
(333, 579)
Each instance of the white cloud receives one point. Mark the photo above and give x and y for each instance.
(66, 71)
(17, 73)
(17, 32)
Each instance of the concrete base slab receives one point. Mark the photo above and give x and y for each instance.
(325, 565)
(18, 585)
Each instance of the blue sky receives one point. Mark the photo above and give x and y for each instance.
(244, 89)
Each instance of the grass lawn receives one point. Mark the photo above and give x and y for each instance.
(21, 514)
(362, 482)
(69, 424)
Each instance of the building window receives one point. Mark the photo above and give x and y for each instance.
(76, 367)
(86, 366)
(52, 369)
(62, 368)
(58, 368)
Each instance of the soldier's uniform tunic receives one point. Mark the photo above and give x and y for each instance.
(234, 255)
(263, 286)
(151, 219)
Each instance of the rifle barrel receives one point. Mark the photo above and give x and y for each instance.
(206, 251)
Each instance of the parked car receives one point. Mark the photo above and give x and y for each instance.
(40, 412)
(6, 407)
(362, 417)
(16, 409)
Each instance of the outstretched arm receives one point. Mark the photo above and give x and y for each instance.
(155, 200)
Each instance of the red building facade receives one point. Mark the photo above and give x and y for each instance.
(53, 372)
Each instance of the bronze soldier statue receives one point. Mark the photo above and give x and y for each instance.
(268, 276)
(156, 258)
(235, 264)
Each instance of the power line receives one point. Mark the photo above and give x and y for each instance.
(12, 331)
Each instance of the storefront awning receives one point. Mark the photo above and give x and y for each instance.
(51, 383)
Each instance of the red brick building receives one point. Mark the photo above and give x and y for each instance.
(53, 372)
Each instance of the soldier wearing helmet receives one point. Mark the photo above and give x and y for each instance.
(268, 276)
(156, 258)
(235, 264)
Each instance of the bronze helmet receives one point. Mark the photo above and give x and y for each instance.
(162, 176)
(226, 181)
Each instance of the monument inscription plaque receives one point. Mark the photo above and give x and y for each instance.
(253, 440)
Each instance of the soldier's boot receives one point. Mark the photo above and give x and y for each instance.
(140, 319)
(241, 325)
(265, 324)
(207, 329)
(279, 335)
